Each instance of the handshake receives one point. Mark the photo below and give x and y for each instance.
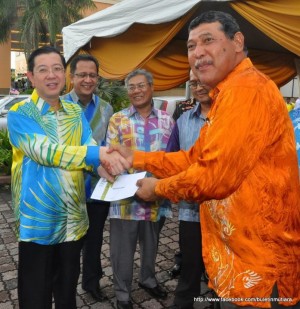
(115, 160)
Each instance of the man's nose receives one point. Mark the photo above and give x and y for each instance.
(199, 51)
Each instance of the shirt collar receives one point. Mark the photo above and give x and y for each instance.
(196, 111)
(76, 99)
(132, 111)
(42, 105)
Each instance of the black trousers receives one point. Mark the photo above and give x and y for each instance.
(192, 266)
(46, 270)
(91, 253)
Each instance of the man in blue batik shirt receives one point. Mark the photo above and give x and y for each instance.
(52, 145)
(184, 134)
(84, 77)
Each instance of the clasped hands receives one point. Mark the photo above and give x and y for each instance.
(117, 159)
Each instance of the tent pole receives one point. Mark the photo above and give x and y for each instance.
(297, 63)
(187, 90)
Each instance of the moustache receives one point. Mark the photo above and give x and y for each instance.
(201, 63)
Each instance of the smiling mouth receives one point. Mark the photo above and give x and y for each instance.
(202, 93)
(52, 85)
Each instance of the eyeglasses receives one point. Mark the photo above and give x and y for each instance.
(141, 86)
(194, 84)
(56, 70)
(85, 75)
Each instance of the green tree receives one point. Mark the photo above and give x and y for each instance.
(5, 153)
(39, 20)
(113, 92)
(7, 18)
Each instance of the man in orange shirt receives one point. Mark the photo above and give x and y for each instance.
(242, 170)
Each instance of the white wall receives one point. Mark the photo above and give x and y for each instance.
(291, 89)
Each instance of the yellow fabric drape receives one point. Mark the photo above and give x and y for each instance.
(152, 46)
(280, 67)
(170, 66)
(132, 49)
(278, 19)
(171, 69)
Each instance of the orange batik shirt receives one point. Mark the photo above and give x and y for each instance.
(243, 172)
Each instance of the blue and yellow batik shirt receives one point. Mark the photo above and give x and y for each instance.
(50, 150)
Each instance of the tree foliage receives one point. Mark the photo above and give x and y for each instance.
(113, 92)
(7, 17)
(39, 21)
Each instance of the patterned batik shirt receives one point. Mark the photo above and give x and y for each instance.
(130, 129)
(186, 131)
(50, 150)
(243, 171)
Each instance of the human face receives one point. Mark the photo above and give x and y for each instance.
(85, 86)
(212, 56)
(140, 97)
(48, 77)
(200, 93)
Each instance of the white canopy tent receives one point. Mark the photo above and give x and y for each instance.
(152, 34)
(119, 17)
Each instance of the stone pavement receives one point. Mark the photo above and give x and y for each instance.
(165, 260)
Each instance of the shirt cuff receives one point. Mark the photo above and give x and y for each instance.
(92, 157)
(139, 160)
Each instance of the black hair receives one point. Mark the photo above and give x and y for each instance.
(44, 50)
(228, 24)
(84, 57)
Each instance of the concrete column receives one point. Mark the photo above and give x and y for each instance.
(5, 67)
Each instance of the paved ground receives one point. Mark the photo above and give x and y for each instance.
(165, 259)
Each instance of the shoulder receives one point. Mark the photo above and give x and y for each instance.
(70, 96)
(185, 115)
(16, 106)
(103, 103)
(120, 114)
(247, 76)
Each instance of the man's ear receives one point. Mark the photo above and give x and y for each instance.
(71, 76)
(30, 77)
(239, 41)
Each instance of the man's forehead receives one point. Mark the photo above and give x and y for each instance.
(137, 78)
(44, 59)
(204, 30)
(86, 63)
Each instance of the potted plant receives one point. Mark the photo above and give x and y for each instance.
(5, 157)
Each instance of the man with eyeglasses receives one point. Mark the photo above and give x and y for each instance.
(185, 133)
(143, 127)
(84, 78)
(52, 145)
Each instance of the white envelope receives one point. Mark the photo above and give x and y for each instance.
(123, 187)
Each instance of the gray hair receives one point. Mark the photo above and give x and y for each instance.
(134, 73)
